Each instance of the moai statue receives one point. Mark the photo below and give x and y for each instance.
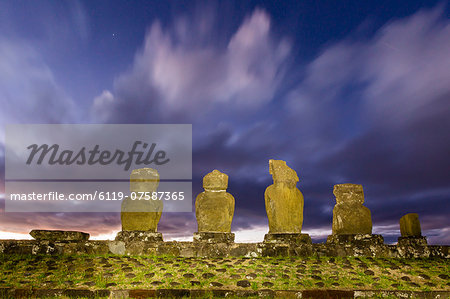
(411, 233)
(284, 205)
(214, 210)
(352, 222)
(350, 217)
(410, 225)
(140, 216)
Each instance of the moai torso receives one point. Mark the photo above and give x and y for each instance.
(349, 215)
(410, 225)
(214, 208)
(284, 202)
(142, 215)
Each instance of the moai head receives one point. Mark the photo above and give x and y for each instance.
(215, 181)
(348, 193)
(144, 180)
(281, 173)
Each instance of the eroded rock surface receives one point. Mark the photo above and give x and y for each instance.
(58, 235)
(284, 202)
(350, 217)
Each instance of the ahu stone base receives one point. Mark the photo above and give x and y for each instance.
(412, 247)
(358, 245)
(288, 238)
(213, 237)
(203, 249)
(412, 241)
(137, 236)
(356, 239)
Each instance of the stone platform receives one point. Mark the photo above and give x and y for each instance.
(203, 249)
(288, 238)
(213, 237)
(356, 239)
(139, 236)
(412, 241)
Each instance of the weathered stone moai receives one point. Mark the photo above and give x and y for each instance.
(284, 205)
(411, 233)
(140, 217)
(351, 220)
(349, 215)
(214, 210)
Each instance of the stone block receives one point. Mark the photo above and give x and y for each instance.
(213, 237)
(288, 238)
(412, 241)
(355, 239)
(58, 235)
(139, 236)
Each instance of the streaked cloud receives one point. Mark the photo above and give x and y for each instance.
(29, 92)
(182, 74)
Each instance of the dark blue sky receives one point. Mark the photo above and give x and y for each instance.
(344, 91)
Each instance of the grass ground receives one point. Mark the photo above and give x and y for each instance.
(153, 272)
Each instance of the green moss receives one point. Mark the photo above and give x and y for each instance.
(34, 271)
